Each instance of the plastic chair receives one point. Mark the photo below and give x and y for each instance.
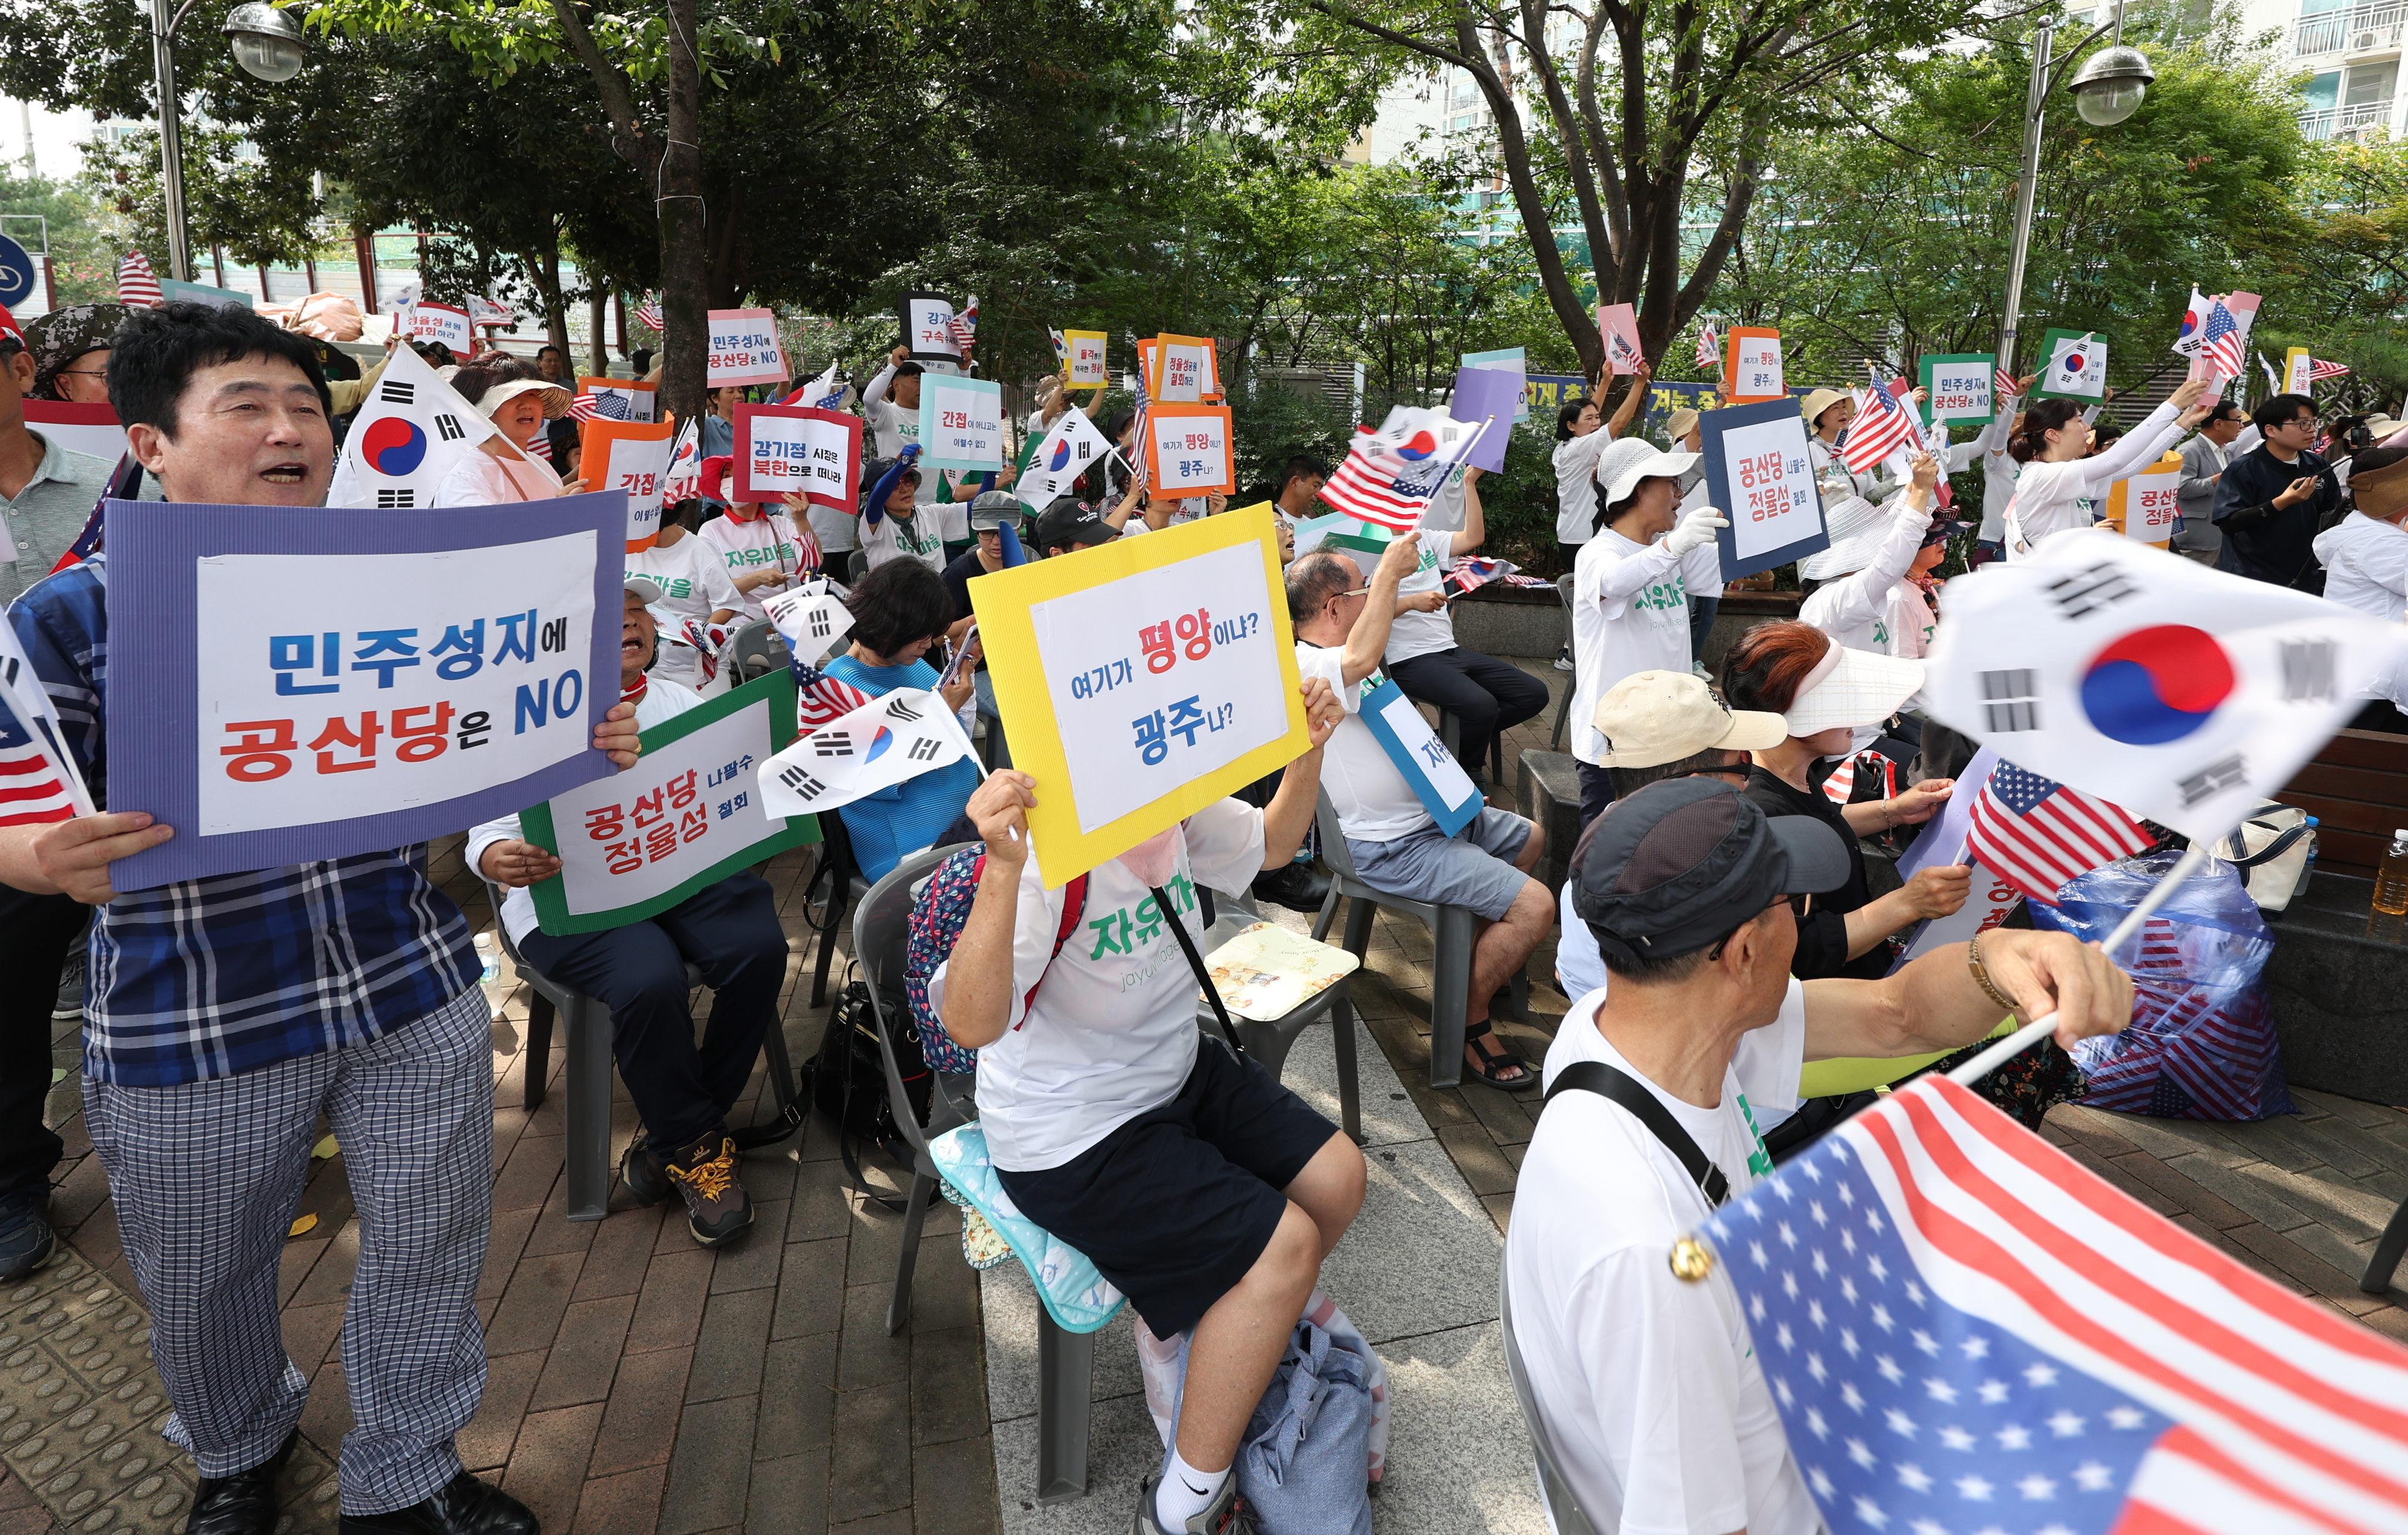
(1564, 710)
(587, 1146)
(845, 886)
(1270, 1042)
(1563, 1508)
(856, 565)
(1066, 1361)
(1449, 732)
(756, 650)
(1452, 929)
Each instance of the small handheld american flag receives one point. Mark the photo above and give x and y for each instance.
(966, 325)
(32, 788)
(2220, 342)
(820, 698)
(648, 313)
(585, 406)
(2318, 369)
(2002, 383)
(2038, 834)
(1881, 428)
(137, 284)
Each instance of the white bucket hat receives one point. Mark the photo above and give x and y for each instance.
(1626, 460)
(500, 395)
(1857, 527)
(1852, 687)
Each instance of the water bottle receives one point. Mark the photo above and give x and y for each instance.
(2315, 836)
(488, 958)
(2391, 877)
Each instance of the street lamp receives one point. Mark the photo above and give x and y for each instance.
(2106, 91)
(266, 44)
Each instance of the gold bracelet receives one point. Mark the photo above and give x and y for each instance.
(1982, 976)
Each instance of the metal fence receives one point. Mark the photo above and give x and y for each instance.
(2360, 29)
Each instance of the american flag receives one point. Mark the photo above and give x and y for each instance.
(1389, 475)
(647, 314)
(2220, 342)
(1842, 784)
(1966, 1331)
(1709, 350)
(2319, 368)
(137, 284)
(609, 404)
(2002, 383)
(1882, 427)
(966, 325)
(32, 788)
(1475, 571)
(2198, 1047)
(585, 406)
(2037, 834)
(1138, 456)
(821, 698)
(539, 445)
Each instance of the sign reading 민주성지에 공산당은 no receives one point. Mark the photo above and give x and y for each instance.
(296, 683)
(1142, 679)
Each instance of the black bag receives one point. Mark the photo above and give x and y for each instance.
(847, 1083)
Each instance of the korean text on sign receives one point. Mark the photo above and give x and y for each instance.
(744, 349)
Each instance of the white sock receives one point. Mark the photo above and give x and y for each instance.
(1179, 1498)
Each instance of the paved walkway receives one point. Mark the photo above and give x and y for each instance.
(641, 1384)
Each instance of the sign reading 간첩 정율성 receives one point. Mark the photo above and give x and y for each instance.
(369, 682)
(1142, 679)
(781, 449)
(1757, 470)
(744, 349)
(961, 423)
(687, 815)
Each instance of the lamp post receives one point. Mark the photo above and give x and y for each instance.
(2106, 91)
(266, 44)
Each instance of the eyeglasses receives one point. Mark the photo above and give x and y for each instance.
(2304, 421)
(81, 373)
(1717, 952)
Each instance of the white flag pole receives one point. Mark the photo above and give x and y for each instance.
(2025, 1037)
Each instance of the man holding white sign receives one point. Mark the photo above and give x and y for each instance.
(729, 931)
(1341, 630)
(345, 986)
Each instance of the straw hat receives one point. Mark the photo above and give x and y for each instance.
(1820, 401)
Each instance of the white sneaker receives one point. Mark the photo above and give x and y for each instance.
(1564, 659)
(1229, 1514)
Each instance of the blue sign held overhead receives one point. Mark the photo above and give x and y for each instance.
(18, 273)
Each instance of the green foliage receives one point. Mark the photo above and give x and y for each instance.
(83, 266)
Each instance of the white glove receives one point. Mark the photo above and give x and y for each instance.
(1696, 529)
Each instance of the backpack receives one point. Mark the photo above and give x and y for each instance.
(938, 913)
(848, 1084)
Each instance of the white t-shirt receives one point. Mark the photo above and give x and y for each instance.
(892, 425)
(769, 539)
(1113, 1033)
(1427, 634)
(693, 584)
(1630, 613)
(923, 541)
(1877, 609)
(662, 700)
(1649, 1384)
(1373, 800)
(2366, 568)
(1576, 485)
(2053, 499)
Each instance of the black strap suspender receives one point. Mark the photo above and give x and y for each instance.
(1612, 1082)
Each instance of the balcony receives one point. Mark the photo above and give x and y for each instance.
(2361, 29)
(2346, 121)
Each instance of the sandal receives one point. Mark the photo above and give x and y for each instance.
(1496, 1060)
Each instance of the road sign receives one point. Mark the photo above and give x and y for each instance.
(18, 273)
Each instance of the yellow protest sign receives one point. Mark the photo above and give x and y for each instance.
(1142, 679)
(2298, 367)
(1086, 359)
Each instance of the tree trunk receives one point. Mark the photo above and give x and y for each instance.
(684, 254)
(555, 312)
(595, 294)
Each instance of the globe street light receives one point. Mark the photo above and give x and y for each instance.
(2109, 88)
(266, 44)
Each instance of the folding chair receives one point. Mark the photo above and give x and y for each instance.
(587, 1147)
(1562, 1507)
(837, 866)
(757, 650)
(1571, 680)
(1452, 929)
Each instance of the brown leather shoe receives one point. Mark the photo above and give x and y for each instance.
(716, 1207)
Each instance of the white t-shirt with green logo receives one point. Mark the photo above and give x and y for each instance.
(693, 584)
(1650, 1384)
(1631, 613)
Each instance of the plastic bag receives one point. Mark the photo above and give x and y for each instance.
(1163, 1362)
(2201, 1041)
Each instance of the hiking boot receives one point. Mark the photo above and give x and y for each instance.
(644, 1170)
(1229, 1514)
(69, 1006)
(26, 1240)
(716, 1207)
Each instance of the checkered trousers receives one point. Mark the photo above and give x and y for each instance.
(206, 1176)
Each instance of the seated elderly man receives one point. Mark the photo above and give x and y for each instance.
(1341, 630)
(731, 933)
(1201, 1187)
(1647, 1383)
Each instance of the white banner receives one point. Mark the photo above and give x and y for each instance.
(884, 742)
(1773, 504)
(441, 322)
(409, 433)
(744, 349)
(347, 686)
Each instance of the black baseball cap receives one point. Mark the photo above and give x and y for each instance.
(1679, 865)
(1069, 522)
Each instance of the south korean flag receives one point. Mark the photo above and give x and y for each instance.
(812, 620)
(1068, 451)
(2181, 694)
(886, 741)
(412, 428)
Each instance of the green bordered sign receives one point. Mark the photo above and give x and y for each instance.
(687, 815)
(1960, 386)
(2073, 367)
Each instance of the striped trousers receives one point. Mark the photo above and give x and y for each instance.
(208, 1176)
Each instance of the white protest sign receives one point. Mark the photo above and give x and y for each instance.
(2077, 367)
(1960, 387)
(886, 741)
(961, 423)
(1771, 501)
(1066, 452)
(812, 620)
(1180, 363)
(744, 349)
(784, 449)
(409, 434)
(353, 685)
(1087, 369)
(441, 322)
(928, 327)
(2149, 502)
(1187, 450)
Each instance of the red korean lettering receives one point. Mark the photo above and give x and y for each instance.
(261, 751)
(1196, 631)
(340, 732)
(421, 733)
(1161, 651)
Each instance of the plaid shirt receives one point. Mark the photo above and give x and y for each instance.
(210, 978)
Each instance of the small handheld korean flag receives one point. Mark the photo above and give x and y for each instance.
(683, 481)
(2078, 367)
(406, 437)
(2181, 694)
(2191, 334)
(1068, 451)
(886, 741)
(812, 620)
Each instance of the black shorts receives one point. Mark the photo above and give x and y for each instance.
(1176, 1205)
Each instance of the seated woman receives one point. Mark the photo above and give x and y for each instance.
(899, 609)
(516, 399)
(1825, 692)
